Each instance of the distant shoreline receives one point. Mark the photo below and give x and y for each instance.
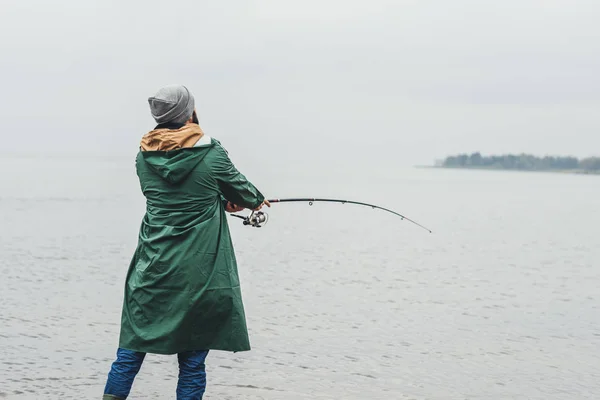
(522, 162)
(557, 171)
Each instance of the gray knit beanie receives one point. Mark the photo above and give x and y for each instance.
(172, 103)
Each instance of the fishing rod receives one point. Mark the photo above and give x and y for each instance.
(258, 219)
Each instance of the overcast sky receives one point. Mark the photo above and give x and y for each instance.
(320, 81)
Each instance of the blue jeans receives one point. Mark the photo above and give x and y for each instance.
(192, 374)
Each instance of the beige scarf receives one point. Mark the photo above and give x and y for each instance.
(172, 139)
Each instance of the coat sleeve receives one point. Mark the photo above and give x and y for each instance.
(234, 186)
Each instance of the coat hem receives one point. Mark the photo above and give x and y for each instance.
(149, 350)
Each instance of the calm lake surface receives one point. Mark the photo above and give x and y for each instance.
(343, 302)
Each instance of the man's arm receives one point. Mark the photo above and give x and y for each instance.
(234, 186)
(229, 206)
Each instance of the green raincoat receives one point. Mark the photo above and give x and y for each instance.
(182, 290)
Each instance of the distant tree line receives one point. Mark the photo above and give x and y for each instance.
(522, 162)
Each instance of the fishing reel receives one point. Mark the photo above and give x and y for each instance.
(256, 219)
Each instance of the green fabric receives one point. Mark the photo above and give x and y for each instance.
(182, 290)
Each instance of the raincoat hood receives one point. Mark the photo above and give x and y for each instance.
(173, 153)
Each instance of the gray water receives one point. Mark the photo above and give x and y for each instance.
(343, 302)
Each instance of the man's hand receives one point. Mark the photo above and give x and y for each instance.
(264, 203)
(232, 208)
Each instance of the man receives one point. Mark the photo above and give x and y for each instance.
(182, 291)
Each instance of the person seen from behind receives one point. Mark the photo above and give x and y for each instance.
(182, 290)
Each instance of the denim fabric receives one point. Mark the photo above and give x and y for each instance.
(192, 374)
(123, 372)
